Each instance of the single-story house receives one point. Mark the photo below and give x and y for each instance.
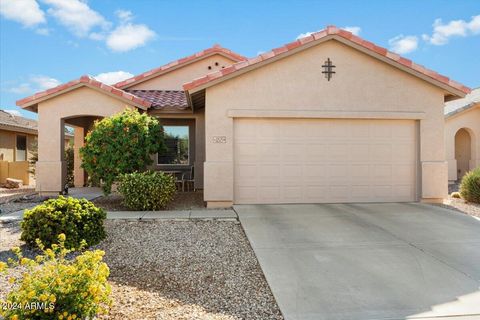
(327, 118)
(18, 142)
(462, 135)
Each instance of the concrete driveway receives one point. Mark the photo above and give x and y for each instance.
(367, 261)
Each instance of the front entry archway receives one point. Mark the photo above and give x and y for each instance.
(463, 152)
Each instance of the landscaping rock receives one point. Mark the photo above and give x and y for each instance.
(13, 183)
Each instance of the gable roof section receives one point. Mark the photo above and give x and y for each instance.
(87, 81)
(456, 107)
(15, 123)
(331, 32)
(216, 49)
(12, 122)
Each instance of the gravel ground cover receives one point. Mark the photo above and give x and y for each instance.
(472, 209)
(20, 202)
(182, 201)
(176, 270)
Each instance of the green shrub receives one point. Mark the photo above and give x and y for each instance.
(78, 219)
(122, 143)
(470, 186)
(58, 288)
(150, 190)
(456, 195)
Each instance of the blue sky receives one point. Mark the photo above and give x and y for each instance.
(46, 42)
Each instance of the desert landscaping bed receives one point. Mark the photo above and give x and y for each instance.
(472, 209)
(181, 201)
(176, 270)
(18, 201)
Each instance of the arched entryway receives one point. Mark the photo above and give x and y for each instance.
(81, 125)
(463, 152)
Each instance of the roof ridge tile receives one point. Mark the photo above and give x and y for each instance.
(329, 30)
(86, 80)
(216, 48)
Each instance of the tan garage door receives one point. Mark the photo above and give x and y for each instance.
(324, 160)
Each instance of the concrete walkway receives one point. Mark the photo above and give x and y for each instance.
(148, 215)
(172, 215)
(367, 261)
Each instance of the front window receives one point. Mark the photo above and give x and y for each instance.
(177, 142)
(21, 154)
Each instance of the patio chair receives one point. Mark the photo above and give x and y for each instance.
(188, 178)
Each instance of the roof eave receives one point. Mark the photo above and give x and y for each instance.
(125, 84)
(31, 105)
(388, 57)
(14, 128)
(469, 107)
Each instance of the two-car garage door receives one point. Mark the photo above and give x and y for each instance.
(324, 160)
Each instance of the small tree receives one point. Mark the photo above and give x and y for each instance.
(122, 143)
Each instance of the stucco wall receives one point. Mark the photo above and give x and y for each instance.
(83, 101)
(469, 120)
(361, 83)
(174, 80)
(7, 145)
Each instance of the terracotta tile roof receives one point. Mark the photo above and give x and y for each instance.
(161, 99)
(87, 80)
(329, 31)
(215, 49)
(10, 120)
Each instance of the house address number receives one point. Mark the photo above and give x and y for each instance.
(219, 139)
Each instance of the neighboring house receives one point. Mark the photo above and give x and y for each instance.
(326, 118)
(18, 136)
(462, 135)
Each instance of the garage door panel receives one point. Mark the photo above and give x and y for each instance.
(338, 152)
(327, 160)
(291, 152)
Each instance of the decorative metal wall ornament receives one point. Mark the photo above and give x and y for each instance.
(328, 69)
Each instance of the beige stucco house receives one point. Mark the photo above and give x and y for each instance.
(327, 118)
(462, 135)
(18, 140)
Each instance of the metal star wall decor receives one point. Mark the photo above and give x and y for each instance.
(328, 69)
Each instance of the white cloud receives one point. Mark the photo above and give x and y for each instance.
(355, 30)
(129, 36)
(124, 15)
(403, 44)
(44, 82)
(442, 32)
(76, 15)
(35, 83)
(43, 31)
(113, 77)
(22, 88)
(14, 112)
(27, 12)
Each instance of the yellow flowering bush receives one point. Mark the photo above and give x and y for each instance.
(79, 219)
(53, 287)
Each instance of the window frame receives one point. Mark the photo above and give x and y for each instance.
(16, 147)
(166, 165)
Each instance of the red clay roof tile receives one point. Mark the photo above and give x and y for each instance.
(215, 49)
(88, 81)
(162, 99)
(330, 30)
